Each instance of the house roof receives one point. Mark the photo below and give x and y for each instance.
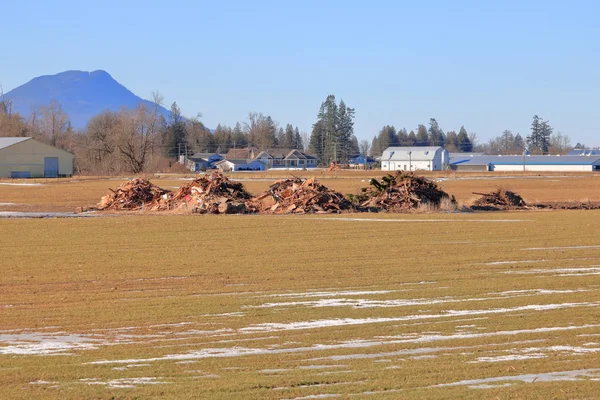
(529, 160)
(419, 153)
(9, 141)
(285, 154)
(237, 162)
(205, 156)
(240, 153)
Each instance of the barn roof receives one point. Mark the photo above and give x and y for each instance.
(9, 141)
(418, 153)
(529, 160)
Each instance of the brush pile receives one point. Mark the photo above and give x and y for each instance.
(135, 194)
(400, 192)
(211, 194)
(299, 196)
(499, 199)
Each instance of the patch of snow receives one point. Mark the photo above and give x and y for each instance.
(326, 323)
(332, 294)
(123, 383)
(514, 357)
(37, 343)
(574, 375)
(514, 262)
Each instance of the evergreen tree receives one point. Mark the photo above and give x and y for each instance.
(539, 140)
(545, 134)
(402, 137)
(347, 143)
(464, 142)
(238, 138)
(452, 141)
(518, 144)
(297, 143)
(175, 137)
(436, 135)
(332, 138)
(317, 140)
(412, 139)
(289, 136)
(422, 138)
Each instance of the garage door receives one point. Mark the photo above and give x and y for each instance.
(50, 167)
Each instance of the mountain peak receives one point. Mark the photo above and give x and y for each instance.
(82, 95)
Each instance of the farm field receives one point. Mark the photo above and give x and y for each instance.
(479, 305)
(424, 305)
(67, 195)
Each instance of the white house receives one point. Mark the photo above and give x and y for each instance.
(287, 159)
(414, 158)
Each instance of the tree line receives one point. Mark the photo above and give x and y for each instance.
(541, 140)
(142, 139)
(432, 136)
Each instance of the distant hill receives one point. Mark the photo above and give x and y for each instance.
(82, 95)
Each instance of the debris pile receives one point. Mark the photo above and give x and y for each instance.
(499, 199)
(211, 194)
(299, 196)
(135, 194)
(400, 192)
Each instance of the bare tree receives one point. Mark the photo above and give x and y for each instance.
(364, 146)
(54, 122)
(305, 136)
(138, 135)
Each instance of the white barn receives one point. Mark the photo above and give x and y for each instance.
(523, 163)
(414, 158)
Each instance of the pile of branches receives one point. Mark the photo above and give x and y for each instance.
(299, 196)
(135, 194)
(211, 194)
(499, 199)
(400, 192)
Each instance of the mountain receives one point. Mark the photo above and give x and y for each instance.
(82, 95)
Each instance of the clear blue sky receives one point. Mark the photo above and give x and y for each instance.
(490, 65)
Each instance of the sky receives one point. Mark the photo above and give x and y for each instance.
(487, 65)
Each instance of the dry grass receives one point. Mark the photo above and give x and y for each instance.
(411, 285)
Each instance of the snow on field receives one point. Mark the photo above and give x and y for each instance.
(573, 271)
(574, 375)
(123, 383)
(325, 323)
(37, 343)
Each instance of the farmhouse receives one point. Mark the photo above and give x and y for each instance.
(24, 157)
(287, 159)
(414, 158)
(575, 163)
(240, 165)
